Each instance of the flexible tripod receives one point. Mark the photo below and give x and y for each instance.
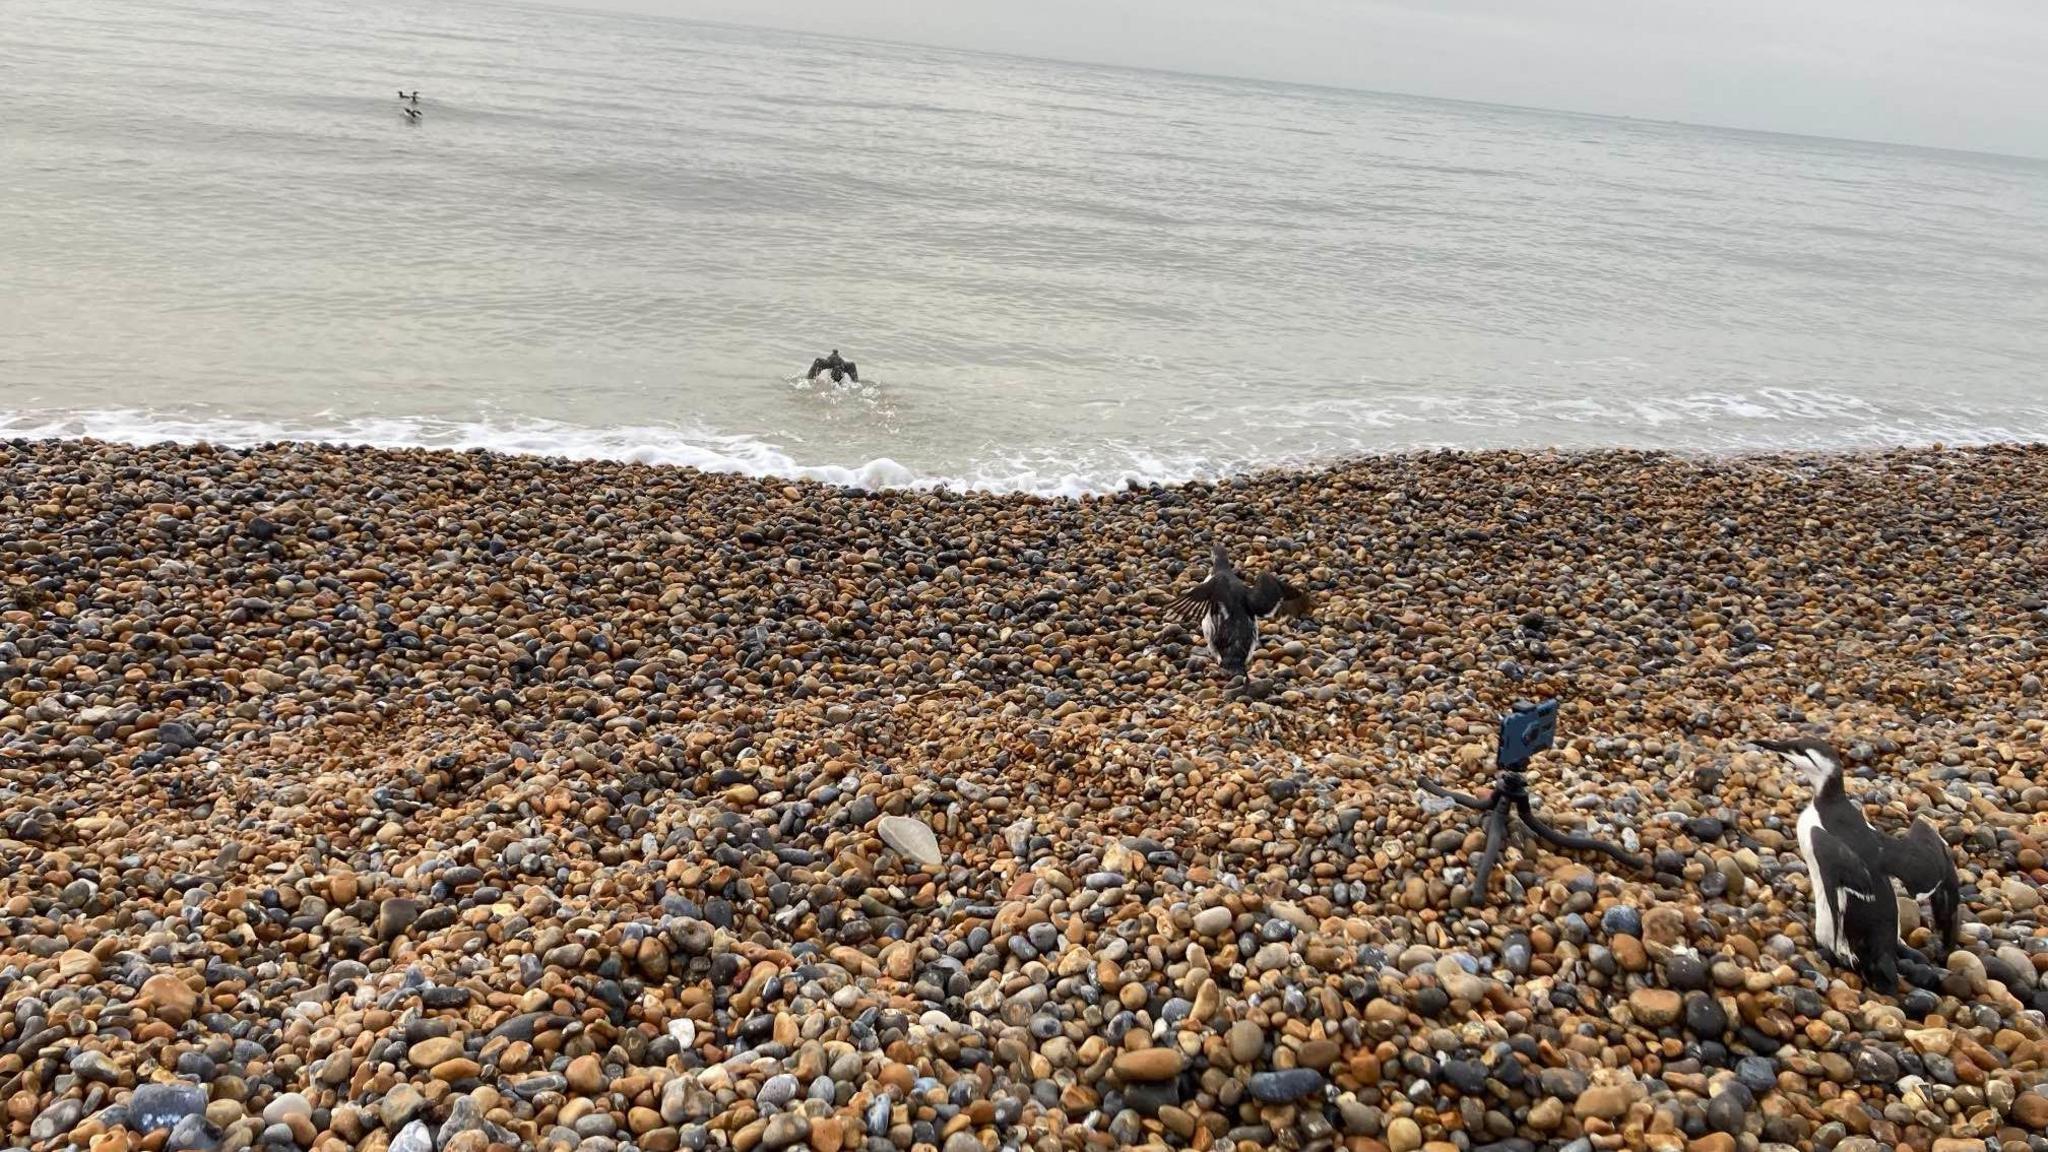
(1527, 730)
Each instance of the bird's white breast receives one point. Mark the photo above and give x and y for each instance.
(1825, 931)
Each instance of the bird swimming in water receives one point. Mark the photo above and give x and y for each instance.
(413, 114)
(415, 97)
(840, 369)
(1228, 610)
(1851, 867)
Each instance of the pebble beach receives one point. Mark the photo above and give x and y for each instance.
(454, 802)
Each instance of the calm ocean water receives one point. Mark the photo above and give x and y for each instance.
(621, 236)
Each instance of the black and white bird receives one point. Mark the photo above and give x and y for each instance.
(1228, 610)
(1852, 865)
(839, 368)
(413, 114)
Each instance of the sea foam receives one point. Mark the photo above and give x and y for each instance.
(678, 446)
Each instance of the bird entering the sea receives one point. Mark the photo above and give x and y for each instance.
(840, 369)
(1851, 867)
(1228, 610)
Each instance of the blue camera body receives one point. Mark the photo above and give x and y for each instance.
(1529, 729)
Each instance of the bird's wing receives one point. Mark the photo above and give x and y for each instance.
(1265, 595)
(1920, 860)
(818, 365)
(1272, 594)
(1853, 880)
(1190, 606)
(851, 371)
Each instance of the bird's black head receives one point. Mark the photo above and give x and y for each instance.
(1814, 760)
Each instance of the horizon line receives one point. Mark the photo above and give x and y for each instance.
(1316, 85)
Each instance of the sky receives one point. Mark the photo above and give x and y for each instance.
(1969, 74)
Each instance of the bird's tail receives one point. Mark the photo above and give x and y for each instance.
(1947, 901)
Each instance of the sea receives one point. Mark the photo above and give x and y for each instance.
(627, 237)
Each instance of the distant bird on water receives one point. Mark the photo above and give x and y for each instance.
(413, 114)
(1228, 610)
(415, 97)
(839, 368)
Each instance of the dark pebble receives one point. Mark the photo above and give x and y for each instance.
(1288, 1085)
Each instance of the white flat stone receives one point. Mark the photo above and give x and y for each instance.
(911, 839)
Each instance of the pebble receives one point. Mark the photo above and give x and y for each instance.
(911, 839)
(168, 998)
(1563, 1083)
(1245, 1040)
(785, 1129)
(1149, 1064)
(434, 1050)
(1286, 1086)
(1757, 1073)
(585, 1075)
(1656, 1007)
(778, 1091)
(191, 1134)
(1622, 920)
(1727, 1110)
(449, 802)
(1705, 1017)
(414, 1137)
(1467, 1076)
(56, 1120)
(1605, 1101)
(1685, 973)
(286, 1105)
(400, 1105)
(95, 1066)
(155, 1107)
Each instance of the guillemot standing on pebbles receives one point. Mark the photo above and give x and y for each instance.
(1228, 610)
(1852, 865)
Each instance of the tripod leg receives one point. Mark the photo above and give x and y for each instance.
(1457, 797)
(1565, 840)
(1496, 840)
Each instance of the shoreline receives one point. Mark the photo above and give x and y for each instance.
(354, 797)
(811, 475)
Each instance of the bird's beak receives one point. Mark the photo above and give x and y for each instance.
(1775, 750)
